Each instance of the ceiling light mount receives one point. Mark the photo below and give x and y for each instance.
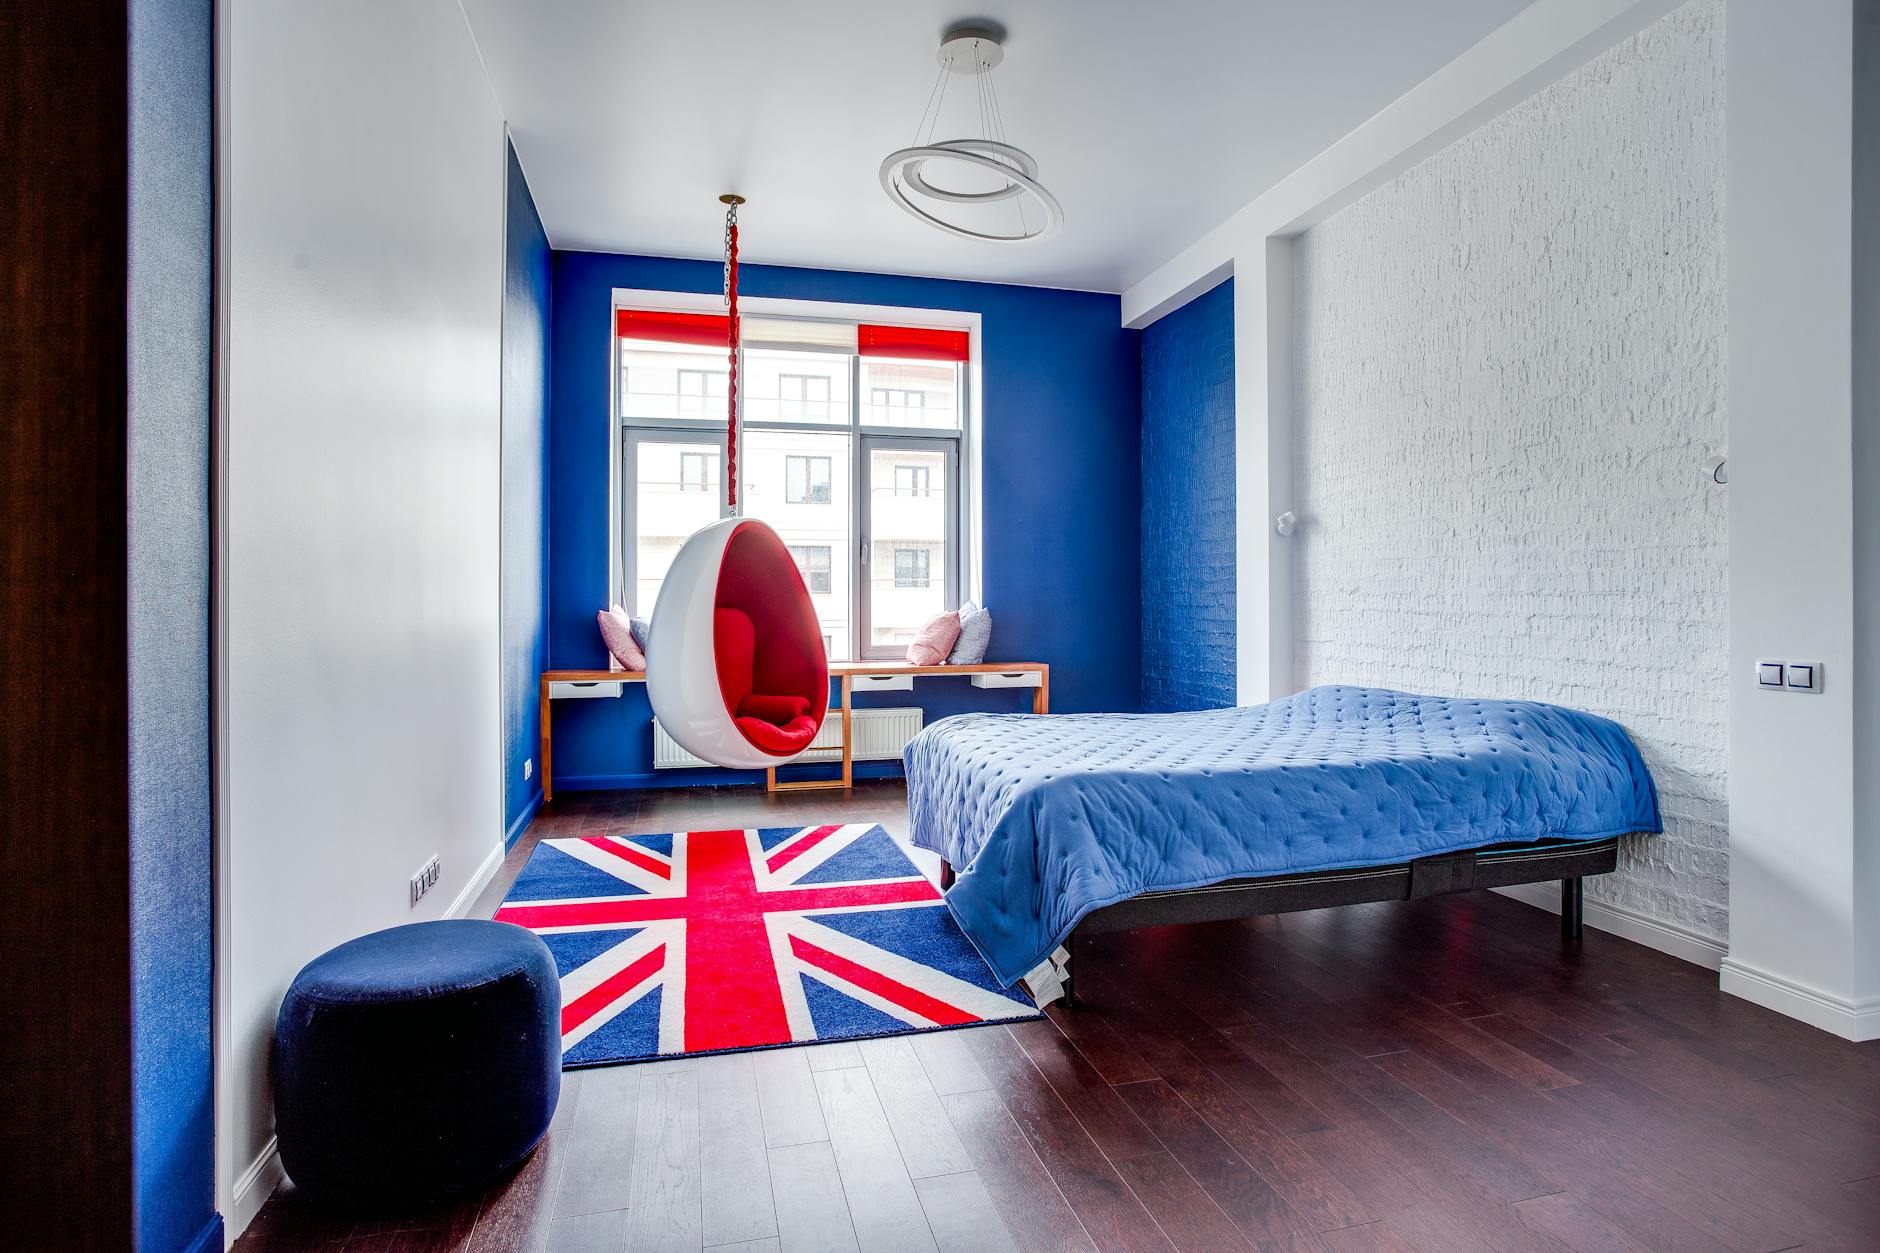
(971, 50)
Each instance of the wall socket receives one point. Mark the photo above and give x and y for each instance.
(528, 768)
(425, 879)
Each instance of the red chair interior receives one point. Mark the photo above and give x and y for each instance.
(772, 670)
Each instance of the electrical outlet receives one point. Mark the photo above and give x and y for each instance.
(425, 879)
(528, 768)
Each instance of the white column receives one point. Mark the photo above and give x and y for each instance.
(1799, 922)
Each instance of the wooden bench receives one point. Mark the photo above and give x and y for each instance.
(855, 676)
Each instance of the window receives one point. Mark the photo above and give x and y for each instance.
(813, 561)
(893, 400)
(703, 393)
(910, 480)
(911, 566)
(803, 397)
(806, 480)
(852, 455)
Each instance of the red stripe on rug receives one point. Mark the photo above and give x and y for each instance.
(609, 990)
(803, 844)
(628, 853)
(887, 989)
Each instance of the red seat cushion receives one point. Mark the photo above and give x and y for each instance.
(781, 740)
(778, 711)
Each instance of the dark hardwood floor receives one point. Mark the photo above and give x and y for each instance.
(1440, 1075)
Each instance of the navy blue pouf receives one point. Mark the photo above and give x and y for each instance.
(416, 1062)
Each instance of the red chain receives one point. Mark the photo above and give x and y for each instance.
(731, 386)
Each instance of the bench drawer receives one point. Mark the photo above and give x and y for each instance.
(881, 682)
(1010, 678)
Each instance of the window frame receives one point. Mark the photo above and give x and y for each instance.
(632, 438)
(952, 565)
(965, 526)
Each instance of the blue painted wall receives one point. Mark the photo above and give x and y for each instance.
(172, 123)
(526, 269)
(1061, 491)
(1188, 505)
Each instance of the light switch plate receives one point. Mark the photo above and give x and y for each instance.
(1788, 676)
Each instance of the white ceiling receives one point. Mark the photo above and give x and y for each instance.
(1151, 121)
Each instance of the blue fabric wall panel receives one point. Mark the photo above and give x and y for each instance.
(1188, 505)
(1061, 489)
(526, 269)
(172, 850)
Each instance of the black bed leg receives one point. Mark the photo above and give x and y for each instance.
(1572, 908)
(1070, 971)
(946, 874)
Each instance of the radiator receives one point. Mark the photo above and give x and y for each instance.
(878, 734)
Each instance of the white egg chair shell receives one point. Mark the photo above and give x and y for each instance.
(735, 563)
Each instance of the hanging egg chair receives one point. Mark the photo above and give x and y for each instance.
(735, 666)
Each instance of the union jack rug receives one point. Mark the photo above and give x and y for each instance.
(709, 941)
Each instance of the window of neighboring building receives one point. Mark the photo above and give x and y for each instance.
(911, 480)
(806, 480)
(912, 566)
(813, 561)
(852, 455)
(802, 397)
(702, 392)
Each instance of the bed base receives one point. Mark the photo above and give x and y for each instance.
(1496, 866)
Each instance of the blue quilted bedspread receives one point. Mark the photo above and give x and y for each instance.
(1047, 818)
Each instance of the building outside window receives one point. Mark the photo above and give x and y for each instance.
(702, 393)
(911, 480)
(813, 561)
(803, 397)
(852, 455)
(912, 566)
(806, 480)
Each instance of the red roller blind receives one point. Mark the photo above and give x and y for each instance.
(917, 343)
(709, 329)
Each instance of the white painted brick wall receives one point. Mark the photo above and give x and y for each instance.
(1509, 369)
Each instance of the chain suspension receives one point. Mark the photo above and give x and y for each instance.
(731, 383)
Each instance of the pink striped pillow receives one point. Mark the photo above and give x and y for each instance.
(935, 640)
(617, 631)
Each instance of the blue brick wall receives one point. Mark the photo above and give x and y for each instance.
(1188, 505)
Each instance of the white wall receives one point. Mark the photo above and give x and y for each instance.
(1508, 368)
(1804, 936)
(362, 203)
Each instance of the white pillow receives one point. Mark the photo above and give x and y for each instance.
(975, 635)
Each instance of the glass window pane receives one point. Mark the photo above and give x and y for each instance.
(799, 482)
(907, 527)
(662, 381)
(784, 386)
(910, 393)
(675, 492)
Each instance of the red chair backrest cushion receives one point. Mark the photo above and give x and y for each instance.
(734, 641)
(772, 669)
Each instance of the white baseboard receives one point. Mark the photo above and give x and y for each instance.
(478, 881)
(1666, 937)
(1851, 1020)
(253, 1187)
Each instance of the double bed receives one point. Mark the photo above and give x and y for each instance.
(1050, 827)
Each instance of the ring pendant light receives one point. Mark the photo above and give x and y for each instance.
(971, 51)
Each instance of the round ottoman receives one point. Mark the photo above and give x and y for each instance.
(417, 1062)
